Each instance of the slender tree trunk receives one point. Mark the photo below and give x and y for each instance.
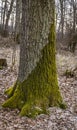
(8, 17)
(74, 16)
(62, 16)
(1, 13)
(5, 6)
(12, 22)
(36, 88)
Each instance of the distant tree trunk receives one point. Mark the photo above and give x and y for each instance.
(17, 29)
(5, 6)
(8, 17)
(12, 22)
(62, 16)
(1, 13)
(74, 15)
(36, 88)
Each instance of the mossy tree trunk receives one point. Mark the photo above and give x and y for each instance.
(36, 88)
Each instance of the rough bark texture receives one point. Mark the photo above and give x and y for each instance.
(37, 86)
(36, 25)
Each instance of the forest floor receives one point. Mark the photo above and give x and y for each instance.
(58, 119)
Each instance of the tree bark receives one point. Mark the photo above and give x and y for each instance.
(5, 6)
(74, 15)
(1, 14)
(8, 17)
(18, 12)
(36, 25)
(36, 88)
(18, 20)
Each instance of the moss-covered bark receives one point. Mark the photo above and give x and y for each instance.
(40, 90)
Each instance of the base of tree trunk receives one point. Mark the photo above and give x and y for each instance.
(40, 90)
(35, 103)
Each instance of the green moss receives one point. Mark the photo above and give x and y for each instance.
(10, 91)
(15, 101)
(40, 90)
(1, 67)
(63, 105)
(31, 110)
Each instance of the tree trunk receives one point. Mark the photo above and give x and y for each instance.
(8, 17)
(18, 20)
(12, 22)
(62, 16)
(5, 6)
(74, 16)
(36, 88)
(1, 14)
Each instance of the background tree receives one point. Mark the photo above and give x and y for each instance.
(8, 17)
(1, 12)
(5, 8)
(62, 16)
(66, 22)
